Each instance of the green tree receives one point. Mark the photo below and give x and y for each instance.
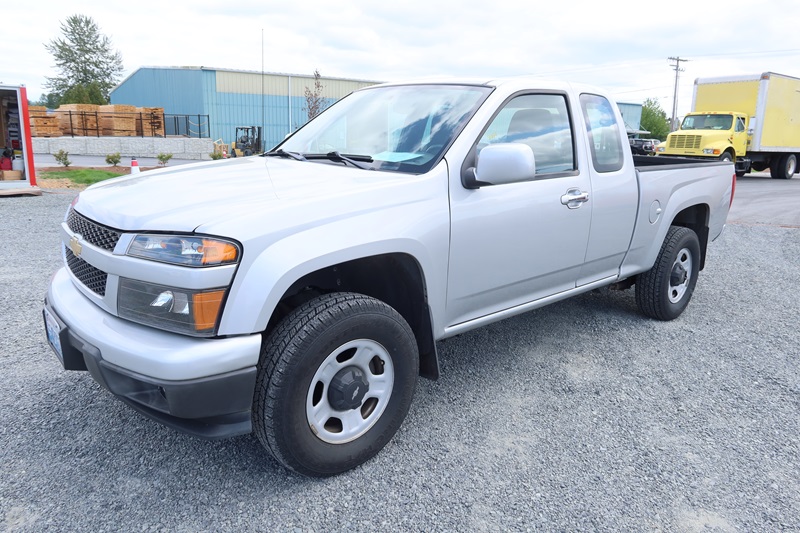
(49, 100)
(84, 56)
(654, 119)
(83, 93)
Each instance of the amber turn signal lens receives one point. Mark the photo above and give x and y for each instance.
(206, 306)
(218, 252)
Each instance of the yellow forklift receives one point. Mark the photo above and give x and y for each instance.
(248, 141)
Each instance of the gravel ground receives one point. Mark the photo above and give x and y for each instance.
(582, 416)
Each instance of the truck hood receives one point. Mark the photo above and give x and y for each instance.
(186, 197)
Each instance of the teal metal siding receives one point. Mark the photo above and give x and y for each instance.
(631, 115)
(178, 91)
(195, 91)
(230, 110)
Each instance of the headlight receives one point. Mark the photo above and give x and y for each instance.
(711, 151)
(186, 311)
(193, 251)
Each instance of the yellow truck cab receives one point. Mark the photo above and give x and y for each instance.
(719, 134)
(752, 120)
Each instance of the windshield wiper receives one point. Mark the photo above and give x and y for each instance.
(280, 152)
(355, 160)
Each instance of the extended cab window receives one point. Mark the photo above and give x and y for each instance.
(540, 121)
(603, 132)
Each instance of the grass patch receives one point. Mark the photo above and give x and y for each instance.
(81, 176)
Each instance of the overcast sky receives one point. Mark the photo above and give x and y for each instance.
(621, 46)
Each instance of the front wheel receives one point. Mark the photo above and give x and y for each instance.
(664, 291)
(335, 381)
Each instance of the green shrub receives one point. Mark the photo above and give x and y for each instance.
(215, 155)
(62, 158)
(163, 158)
(113, 159)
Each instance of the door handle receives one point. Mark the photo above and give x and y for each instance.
(575, 198)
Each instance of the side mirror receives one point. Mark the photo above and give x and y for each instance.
(502, 163)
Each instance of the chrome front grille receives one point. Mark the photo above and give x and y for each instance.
(92, 232)
(93, 278)
(684, 141)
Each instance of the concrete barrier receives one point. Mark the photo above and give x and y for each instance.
(179, 147)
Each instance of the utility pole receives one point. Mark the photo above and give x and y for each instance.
(677, 67)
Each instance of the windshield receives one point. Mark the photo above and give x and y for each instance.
(707, 122)
(400, 128)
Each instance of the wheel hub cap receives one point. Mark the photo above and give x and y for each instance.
(348, 388)
(678, 276)
(349, 391)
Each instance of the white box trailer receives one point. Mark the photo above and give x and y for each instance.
(17, 172)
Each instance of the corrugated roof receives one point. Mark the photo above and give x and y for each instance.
(309, 76)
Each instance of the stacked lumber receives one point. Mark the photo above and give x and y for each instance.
(78, 119)
(150, 121)
(42, 123)
(117, 120)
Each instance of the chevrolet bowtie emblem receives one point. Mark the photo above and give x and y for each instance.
(75, 246)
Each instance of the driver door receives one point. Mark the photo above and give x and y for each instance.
(518, 242)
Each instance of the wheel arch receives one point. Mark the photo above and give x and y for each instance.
(696, 218)
(394, 278)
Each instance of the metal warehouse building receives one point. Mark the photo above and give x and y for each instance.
(632, 116)
(222, 99)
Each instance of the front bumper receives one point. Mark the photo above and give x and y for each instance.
(200, 386)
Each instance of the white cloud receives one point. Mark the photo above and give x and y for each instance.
(618, 45)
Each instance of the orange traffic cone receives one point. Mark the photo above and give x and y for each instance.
(134, 166)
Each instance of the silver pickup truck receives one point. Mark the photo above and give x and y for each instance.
(300, 294)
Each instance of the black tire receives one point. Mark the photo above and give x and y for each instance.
(664, 291)
(311, 361)
(783, 167)
(726, 156)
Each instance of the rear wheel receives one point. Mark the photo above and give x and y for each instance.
(664, 291)
(783, 167)
(335, 381)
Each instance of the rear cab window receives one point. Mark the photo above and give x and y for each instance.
(602, 129)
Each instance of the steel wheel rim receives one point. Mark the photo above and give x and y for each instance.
(790, 166)
(341, 426)
(680, 275)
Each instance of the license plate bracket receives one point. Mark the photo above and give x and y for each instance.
(54, 327)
